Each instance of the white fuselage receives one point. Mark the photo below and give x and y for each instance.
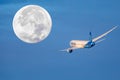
(78, 43)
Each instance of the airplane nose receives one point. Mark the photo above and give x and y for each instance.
(72, 43)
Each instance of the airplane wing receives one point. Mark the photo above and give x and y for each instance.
(99, 37)
(73, 48)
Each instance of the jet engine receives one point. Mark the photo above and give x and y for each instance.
(69, 50)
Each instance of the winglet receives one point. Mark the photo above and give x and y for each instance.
(114, 27)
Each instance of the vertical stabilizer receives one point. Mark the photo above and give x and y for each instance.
(90, 36)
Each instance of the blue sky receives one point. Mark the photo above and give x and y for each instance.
(72, 19)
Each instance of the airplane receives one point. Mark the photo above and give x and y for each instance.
(77, 44)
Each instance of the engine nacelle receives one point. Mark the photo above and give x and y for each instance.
(69, 50)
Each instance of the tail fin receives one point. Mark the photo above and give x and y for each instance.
(90, 36)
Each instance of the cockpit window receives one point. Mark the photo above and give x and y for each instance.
(72, 43)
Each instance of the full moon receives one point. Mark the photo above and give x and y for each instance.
(32, 24)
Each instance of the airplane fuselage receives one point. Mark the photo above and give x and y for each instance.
(82, 44)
